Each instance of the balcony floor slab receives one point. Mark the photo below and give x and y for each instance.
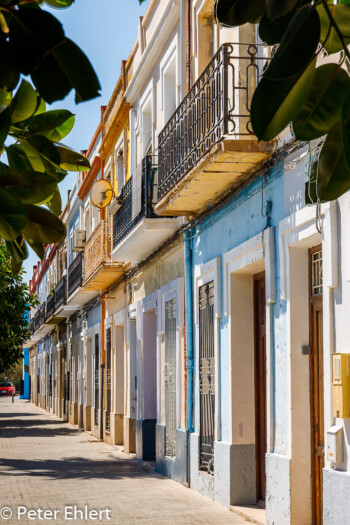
(104, 276)
(228, 164)
(144, 239)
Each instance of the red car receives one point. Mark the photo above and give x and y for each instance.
(7, 389)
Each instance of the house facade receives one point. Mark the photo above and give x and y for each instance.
(199, 319)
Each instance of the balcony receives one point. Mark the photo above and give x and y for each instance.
(76, 294)
(50, 306)
(137, 230)
(75, 274)
(42, 313)
(100, 270)
(208, 145)
(61, 293)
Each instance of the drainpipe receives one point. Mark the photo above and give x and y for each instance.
(189, 329)
(188, 60)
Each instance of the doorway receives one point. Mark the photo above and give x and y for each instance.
(260, 383)
(316, 379)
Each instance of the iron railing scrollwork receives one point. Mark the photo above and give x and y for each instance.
(61, 292)
(50, 305)
(217, 105)
(125, 219)
(75, 274)
(206, 377)
(42, 313)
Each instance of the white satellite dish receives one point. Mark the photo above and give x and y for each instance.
(101, 193)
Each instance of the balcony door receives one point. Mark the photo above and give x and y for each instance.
(316, 376)
(260, 383)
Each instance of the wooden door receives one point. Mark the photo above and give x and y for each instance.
(316, 380)
(260, 383)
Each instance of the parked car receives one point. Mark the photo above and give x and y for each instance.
(7, 389)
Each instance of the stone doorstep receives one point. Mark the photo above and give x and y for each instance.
(252, 513)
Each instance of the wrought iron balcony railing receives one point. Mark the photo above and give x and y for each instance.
(97, 250)
(137, 197)
(37, 321)
(50, 305)
(42, 313)
(31, 326)
(75, 274)
(61, 292)
(217, 105)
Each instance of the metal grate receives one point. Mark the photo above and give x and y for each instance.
(170, 377)
(50, 305)
(133, 209)
(206, 377)
(317, 273)
(75, 274)
(97, 373)
(217, 105)
(108, 379)
(61, 293)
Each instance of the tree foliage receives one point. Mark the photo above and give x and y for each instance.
(307, 82)
(15, 300)
(33, 159)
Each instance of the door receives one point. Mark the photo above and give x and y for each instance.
(97, 378)
(316, 380)
(260, 383)
(108, 379)
(206, 377)
(170, 378)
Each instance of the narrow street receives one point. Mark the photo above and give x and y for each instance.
(49, 465)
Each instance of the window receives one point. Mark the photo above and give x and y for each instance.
(146, 126)
(119, 169)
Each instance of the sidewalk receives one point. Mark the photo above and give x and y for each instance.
(51, 465)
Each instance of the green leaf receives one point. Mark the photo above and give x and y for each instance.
(15, 267)
(13, 215)
(238, 12)
(333, 174)
(45, 148)
(43, 226)
(9, 71)
(341, 15)
(72, 161)
(60, 3)
(24, 102)
(5, 123)
(33, 156)
(5, 97)
(322, 108)
(33, 34)
(279, 8)
(55, 204)
(38, 247)
(17, 158)
(271, 31)
(31, 187)
(276, 104)
(297, 47)
(65, 68)
(345, 119)
(18, 249)
(54, 125)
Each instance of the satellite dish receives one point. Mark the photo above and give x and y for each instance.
(101, 193)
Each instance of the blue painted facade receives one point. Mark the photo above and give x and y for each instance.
(26, 378)
(235, 222)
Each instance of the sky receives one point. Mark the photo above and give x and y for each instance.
(106, 31)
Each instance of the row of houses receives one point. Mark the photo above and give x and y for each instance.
(200, 319)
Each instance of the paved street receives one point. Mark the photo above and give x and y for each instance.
(51, 465)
